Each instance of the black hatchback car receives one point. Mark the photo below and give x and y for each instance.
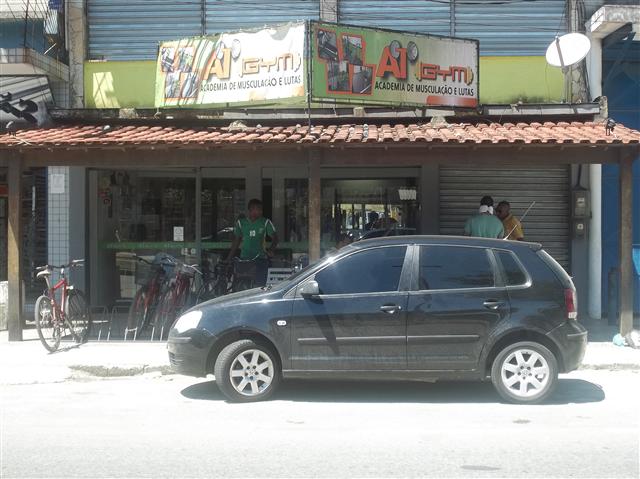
(404, 308)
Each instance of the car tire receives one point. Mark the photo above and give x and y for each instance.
(247, 371)
(525, 373)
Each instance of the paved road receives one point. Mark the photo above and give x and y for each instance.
(173, 426)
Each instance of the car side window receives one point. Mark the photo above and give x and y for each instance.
(514, 275)
(454, 267)
(373, 270)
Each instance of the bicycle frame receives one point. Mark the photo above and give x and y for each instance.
(58, 310)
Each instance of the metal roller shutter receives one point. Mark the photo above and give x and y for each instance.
(548, 222)
(515, 28)
(405, 15)
(232, 15)
(132, 29)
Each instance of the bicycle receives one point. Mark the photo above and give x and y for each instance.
(175, 298)
(151, 276)
(71, 313)
(217, 283)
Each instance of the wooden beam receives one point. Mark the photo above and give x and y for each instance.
(336, 154)
(314, 205)
(626, 244)
(14, 249)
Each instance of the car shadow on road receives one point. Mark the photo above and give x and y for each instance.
(568, 391)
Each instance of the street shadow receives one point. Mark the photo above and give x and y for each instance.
(568, 391)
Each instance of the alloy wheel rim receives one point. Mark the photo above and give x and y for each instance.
(251, 372)
(525, 373)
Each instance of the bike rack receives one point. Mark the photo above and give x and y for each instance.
(116, 311)
(100, 314)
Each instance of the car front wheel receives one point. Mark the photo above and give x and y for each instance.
(525, 373)
(247, 371)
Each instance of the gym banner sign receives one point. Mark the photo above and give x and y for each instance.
(255, 66)
(312, 61)
(367, 66)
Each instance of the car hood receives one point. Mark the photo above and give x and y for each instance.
(241, 297)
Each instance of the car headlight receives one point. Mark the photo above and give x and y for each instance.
(188, 321)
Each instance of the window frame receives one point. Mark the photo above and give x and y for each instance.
(502, 273)
(404, 282)
(498, 284)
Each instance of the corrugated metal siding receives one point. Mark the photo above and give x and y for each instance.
(131, 29)
(232, 15)
(547, 222)
(406, 15)
(516, 28)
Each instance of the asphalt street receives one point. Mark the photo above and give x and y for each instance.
(175, 426)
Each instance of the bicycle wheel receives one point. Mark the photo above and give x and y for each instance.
(78, 315)
(48, 331)
(162, 313)
(137, 313)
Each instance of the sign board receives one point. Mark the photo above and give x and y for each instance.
(367, 66)
(178, 233)
(264, 66)
(56, 184)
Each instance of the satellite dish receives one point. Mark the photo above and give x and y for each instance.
(568, 50)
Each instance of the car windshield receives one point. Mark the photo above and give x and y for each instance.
(326, 259)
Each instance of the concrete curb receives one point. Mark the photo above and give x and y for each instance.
(119, 371)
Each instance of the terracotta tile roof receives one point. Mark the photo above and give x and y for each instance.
(454, 133)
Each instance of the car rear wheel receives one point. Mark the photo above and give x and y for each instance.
(525, 373)
(247, 371)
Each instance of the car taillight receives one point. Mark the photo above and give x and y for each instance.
(571, 302)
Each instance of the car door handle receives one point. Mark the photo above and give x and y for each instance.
(390, 308)
(492, 304)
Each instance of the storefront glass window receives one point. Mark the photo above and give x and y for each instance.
(359, 206)
(296, 210)
(145, 213)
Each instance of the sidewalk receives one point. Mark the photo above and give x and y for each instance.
(27, 362)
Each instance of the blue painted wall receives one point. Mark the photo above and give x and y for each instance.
(621, 85)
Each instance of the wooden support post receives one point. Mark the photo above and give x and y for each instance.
(626, 245)
(198, 205)
(314, 206)
(14, 248)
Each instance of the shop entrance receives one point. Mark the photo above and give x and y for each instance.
(354, 208)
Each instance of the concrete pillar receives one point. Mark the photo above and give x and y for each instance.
(254, 183)
(58, 221)
(14, 249)
(329, 10)
(315, 201)
(76, 42)
(594, 306)
(626, 244)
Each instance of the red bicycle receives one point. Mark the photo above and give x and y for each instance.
(151, 276)
(176, 297)
(70, 314)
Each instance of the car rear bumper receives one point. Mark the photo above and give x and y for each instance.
(188, 355)
(571, 338)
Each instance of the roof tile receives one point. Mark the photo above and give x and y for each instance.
(548, 132)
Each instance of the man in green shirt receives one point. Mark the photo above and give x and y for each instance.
(484, 224)
(250, 233)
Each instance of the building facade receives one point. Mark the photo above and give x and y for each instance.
(105, 210)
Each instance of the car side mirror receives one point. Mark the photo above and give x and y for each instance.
(309, 289)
